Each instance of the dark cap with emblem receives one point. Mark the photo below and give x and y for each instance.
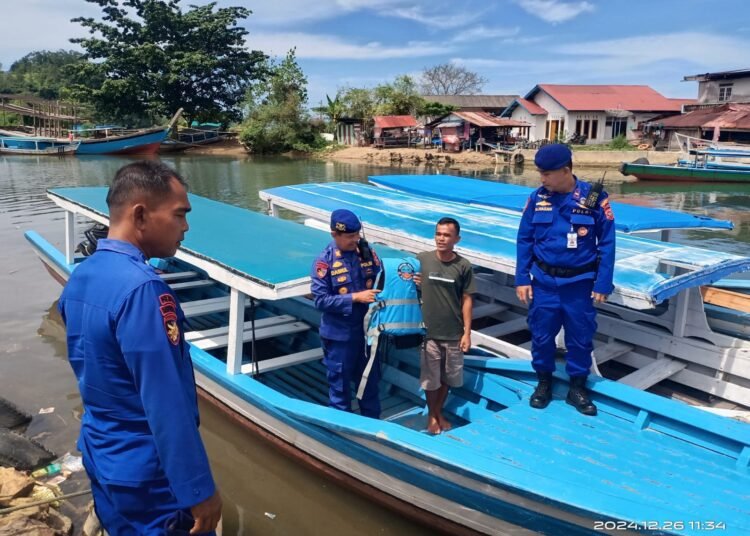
(553, 156)
(345, 221)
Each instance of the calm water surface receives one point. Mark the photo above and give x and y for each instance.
(264, 492)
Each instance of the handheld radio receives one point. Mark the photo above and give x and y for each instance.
(593, 197)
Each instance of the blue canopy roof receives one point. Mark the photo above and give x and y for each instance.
(628, 218)
(488, 238)
(268, 251)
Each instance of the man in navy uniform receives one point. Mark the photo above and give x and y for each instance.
(139, 432)
(343, 277)
(565, 261)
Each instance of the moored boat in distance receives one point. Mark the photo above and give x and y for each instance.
(117, 140)
(645, 463)
(32, 145)
(644, 170)
(121, 141)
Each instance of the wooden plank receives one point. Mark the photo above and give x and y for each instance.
(192, 284)
(247, 335)
(661, 369)
(505, 328)
(697, 380)
(487, 309)
(207, 306)
(174, 276)
(726, 298)
(497, 345)
(612, 350)
(275, 363)
(401, 379)
(223, 330)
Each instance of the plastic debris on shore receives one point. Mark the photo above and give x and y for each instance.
(18, 489)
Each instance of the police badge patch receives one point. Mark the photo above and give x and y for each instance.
(321, 269)
(168, 309)
(607, 209)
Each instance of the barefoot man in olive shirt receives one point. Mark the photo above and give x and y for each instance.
(447, 283)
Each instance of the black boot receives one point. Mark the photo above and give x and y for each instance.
(542, 395)
(578, 397)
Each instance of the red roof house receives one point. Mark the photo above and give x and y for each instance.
(598, 112)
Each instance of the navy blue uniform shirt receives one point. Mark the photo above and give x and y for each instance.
(543, 234)
(126, 347)
(335, 276)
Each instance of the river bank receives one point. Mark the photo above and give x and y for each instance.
(469, 160)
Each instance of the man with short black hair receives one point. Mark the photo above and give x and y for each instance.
(447, 282)
(565, 263)
(139, 433)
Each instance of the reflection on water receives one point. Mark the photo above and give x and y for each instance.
(254, 478)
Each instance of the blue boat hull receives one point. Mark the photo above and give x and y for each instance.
(138, 143)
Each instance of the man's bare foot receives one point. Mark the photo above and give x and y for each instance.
(445, 424)
(433, 425)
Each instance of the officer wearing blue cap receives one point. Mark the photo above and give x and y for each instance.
(139, 432)
(343, 277)
(565, 262)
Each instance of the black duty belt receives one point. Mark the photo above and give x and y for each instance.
(559, 271)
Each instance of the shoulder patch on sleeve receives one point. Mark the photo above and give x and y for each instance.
(607, 208)
(168, 309)
(321, 269)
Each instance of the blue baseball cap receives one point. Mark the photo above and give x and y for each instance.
(345, 221)
(553, 156)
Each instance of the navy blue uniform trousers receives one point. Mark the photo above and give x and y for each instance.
(346, 361)
(569, 306)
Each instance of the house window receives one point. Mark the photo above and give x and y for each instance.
(579, 124)
(619, 126)
(725, 92)
(594, 128)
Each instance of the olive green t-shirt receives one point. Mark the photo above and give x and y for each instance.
(443, 287)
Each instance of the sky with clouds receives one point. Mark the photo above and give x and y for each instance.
(514, 44)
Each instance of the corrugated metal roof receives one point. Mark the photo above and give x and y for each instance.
(726, 116)
(394, 121)
(472, 101)
(531, 107)
(721, 75)
(483, 119)
(608, 97)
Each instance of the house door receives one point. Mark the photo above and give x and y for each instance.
(552, 129)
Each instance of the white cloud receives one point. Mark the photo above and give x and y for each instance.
(329, 47)
(483, 32)
(555, 11)
(40, 25)
(445, 21)
(286, 12)
(702, 49)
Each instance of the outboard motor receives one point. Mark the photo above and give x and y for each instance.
(92, 234)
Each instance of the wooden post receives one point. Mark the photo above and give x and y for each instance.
(236, 325)
(70, 223)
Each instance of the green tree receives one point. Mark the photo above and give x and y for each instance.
(149, 57)
(333, 109)
(42, 73)
(400, 97)
(358, 103)
(434, 109)
(277, 119)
